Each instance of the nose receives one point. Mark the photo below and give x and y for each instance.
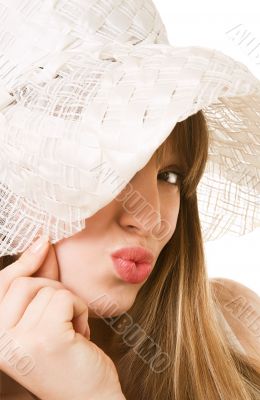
(140, 203)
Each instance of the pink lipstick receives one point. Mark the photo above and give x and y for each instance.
(133, 264)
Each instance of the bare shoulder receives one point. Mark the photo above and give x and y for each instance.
(227, 287)
(240, 306)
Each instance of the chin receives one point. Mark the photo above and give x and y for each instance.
(105, 306)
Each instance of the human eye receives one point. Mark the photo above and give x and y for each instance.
(173, 177)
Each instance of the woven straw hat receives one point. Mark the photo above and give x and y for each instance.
(81, 84)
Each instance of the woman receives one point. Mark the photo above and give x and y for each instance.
(174, 305)
(161, 326)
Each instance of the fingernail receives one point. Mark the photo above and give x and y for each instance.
(39, 244)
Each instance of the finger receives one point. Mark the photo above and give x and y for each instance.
(20, 293)
(26, 265)
(64, 308)
(32, 315)
(53, 310)
(80, 324)
(50, 267)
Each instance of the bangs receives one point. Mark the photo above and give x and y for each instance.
(188, 142)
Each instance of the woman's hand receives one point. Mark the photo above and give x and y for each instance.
(45, 325)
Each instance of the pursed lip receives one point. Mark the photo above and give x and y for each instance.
(137, 254)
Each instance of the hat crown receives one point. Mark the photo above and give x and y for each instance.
(39, 33)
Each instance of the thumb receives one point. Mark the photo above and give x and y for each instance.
(50, 267)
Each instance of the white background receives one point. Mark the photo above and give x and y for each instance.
(232, 27)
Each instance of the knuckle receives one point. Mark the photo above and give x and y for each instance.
(57, 284)
(65, 296)
(21, 283)
(47, 282)
(47, 290)
(63, 292)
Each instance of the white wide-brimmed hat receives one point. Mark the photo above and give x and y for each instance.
(95, 84)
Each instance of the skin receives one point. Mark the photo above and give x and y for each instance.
(85, 265)
(118, 228)
(241, 308)
(49, 325)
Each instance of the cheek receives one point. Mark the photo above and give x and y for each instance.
(170, 205)
(73, 256)
(66, 252)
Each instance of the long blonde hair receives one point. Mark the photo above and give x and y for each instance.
(176, 307)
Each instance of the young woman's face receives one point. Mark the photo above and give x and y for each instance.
(86, 266)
